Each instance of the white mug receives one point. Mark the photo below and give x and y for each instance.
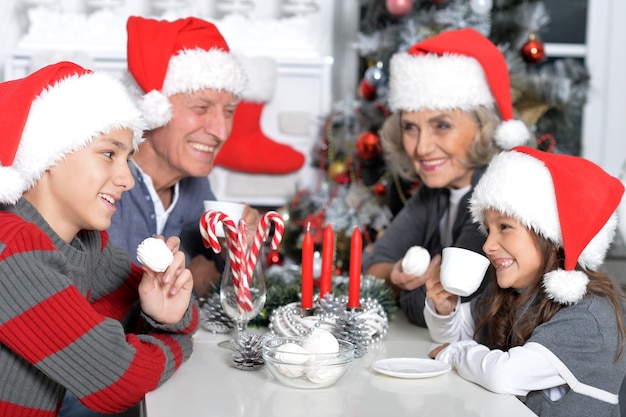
(462, 270)
(232, 210)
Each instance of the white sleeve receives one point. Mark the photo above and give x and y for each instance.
(517, 372)
(458, 325)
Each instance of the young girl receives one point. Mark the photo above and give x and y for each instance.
(75, 314)
(550, 327)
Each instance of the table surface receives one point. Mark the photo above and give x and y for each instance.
(206, 385)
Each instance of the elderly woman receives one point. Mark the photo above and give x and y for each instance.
(452, 112)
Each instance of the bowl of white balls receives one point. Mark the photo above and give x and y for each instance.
(315, 361)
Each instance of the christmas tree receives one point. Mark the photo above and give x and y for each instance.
(355, 187)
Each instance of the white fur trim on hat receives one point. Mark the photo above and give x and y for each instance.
(196, 69)
(431, 81)
(189, 71)
(592, 257)
(511, 133)
(63, 119)
(262, 74)
(520, 186)
(565, 287)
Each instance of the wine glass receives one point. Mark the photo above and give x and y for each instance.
(242, 302)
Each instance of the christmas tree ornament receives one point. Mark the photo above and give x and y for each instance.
(546, 143)
(481, 7)
(367, 90)
(368, 146)
(337, 168)
(213, 318)
(375, 75)
(399, 7)
(273, 257)
(533, 51)
(247, 352)
(380, 189)
(248, 149)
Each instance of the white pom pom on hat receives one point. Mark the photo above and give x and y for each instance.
(55, 111)
(457, 69)
(566, 199)
(190, 55)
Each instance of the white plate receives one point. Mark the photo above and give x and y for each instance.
(411, 367)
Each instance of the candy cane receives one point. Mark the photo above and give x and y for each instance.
(242, 285)
(261, 234)
(208, 222)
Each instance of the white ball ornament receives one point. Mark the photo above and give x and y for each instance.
(481, 7)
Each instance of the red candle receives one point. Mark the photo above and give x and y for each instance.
(307, 269)
(328, 253)
(354, 286)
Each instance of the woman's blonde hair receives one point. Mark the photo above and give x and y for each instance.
(480, 154)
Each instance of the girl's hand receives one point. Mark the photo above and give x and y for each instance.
(433, 353)
(444, 301)
(409, 282)
(165, 296)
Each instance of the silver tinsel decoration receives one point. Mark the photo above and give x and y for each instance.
(247, 353)
(213, 318)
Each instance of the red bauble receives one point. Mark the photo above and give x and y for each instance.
(273, 257)
(380, 190)
(368, 146)
(399, 7)
(343, 178)
(367, 90)
(533, 51)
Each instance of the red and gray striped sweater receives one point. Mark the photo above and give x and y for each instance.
(70, 319)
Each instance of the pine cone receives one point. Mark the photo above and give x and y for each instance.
(331, 305)
(247, 352)
(213, 318)
(353, 329)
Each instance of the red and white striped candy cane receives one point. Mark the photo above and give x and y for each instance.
(208, 223)
(242, 284)
(261, 234)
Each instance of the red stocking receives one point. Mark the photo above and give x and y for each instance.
(247, 149)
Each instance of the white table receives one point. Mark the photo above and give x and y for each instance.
(206, 386)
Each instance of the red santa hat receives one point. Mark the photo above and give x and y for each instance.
(457, 69)
(181, 56)
(53, 112)
(568, 200)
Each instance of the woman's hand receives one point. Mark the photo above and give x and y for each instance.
(165, 295)
(409, 282)
(444, 302)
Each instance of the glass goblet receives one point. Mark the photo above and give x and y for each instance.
(242, 292)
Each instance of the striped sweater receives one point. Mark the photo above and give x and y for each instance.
(70, 319)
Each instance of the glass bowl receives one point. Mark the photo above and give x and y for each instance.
(305, 370)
